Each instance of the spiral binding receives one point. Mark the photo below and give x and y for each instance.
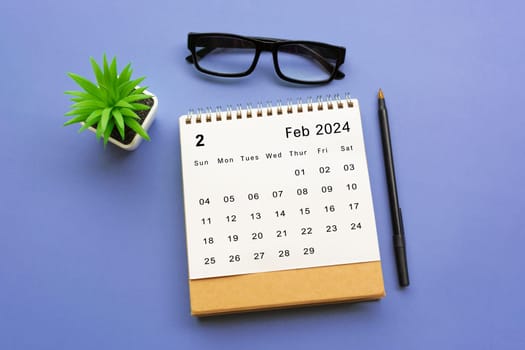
(268, 110)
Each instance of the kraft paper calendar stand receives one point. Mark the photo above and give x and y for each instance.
(282, 289)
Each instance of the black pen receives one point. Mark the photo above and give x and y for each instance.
(395, 210)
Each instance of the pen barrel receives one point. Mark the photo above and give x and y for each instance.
(395, 210)
(401, 260)
(389, 169)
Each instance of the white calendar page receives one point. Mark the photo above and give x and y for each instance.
(276, 192)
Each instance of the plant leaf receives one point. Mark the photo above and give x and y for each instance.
(89, 104)
(125, 75)
(90, 121)
(129, 113)
(126, 88)
(105, 94)
(108, 131)
(102, 125)
(99, 132)
(95, 115)
(136, 97)
(110, 88)
(124, 104)
(106, 69)
(113, 70)
(139, 90)
(106, 114)
(85, 111)
(119, 121)
(77, 93)
(134, 125)
(98, 72)
(87, 98)
(75, 112)
(78, 119)
(140, 107)
(85, 84)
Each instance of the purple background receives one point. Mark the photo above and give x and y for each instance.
(92, 247)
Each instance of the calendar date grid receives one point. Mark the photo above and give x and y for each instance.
(309, 235)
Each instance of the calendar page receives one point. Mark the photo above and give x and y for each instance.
(275, 189)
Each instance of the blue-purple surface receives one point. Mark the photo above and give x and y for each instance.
(92, 247)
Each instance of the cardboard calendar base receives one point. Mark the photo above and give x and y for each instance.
(282, 289)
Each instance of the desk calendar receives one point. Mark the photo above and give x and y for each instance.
(278, 205)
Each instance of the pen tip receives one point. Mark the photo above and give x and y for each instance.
(380, 94)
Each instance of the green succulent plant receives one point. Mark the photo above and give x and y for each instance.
(111, 102)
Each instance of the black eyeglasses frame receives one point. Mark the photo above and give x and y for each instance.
(271, 45)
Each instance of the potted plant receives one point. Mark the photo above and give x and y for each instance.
(115, 108)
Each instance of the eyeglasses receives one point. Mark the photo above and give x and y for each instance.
(230, 55)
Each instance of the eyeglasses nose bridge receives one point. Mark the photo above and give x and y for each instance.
(265, 45)
(268, 46)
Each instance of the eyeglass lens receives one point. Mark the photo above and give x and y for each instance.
(225, 55)
(306, 62)
(298, 61)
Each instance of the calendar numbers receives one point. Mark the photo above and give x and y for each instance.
(200, 140)
(256, 216)
(257, 235)
(349, 167)
(304, 211)
(231, 218)
(306, 231)
(299, 172)
(331, 228)
(280, 213)
(253, 196)
(303, 195)
(233, 238)
(283, 253)
(308, 251)
(302, 191)
(229, 198)
(353, 206)
(234, 258)
(204, 201)
(326, 189)
(209, 261)
(332, 128)
(277, 194)
(329, 208)
(324, 170)
(351, 187)
(355, 226)
(280, 233)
